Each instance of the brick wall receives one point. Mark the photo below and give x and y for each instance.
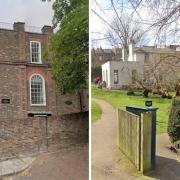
(20, 134)
(15, 72)
(33, 135)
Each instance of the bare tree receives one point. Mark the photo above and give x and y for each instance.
(161, 73)
(122, 30)
(161, 20)
(164, 20)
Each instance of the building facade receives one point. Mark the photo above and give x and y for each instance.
(100, 56)
(149, 64)
(27, 87)
(120, 74)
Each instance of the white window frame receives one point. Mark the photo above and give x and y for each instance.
(40, 60)
(44, 90)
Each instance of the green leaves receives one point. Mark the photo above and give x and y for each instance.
(174, 121)
(69, 46)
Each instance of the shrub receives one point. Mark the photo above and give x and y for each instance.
(174, 121)
(96, 72)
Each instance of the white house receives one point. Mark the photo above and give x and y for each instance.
(120, 73)
(134, 63)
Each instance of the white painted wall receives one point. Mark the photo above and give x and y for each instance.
(139, 57)
(124, 72)
(124, 55)
(106, 73)
(131, 52)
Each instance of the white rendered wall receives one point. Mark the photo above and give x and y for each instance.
(139, 57)
(124, 72)
(106, 73)
(124, 55)
(131, 52)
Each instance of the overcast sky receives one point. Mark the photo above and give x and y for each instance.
(32, 12)
(99, 28)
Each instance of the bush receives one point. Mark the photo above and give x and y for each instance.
(130, 93)
(145, 93)
(174, 121)
(96, 72)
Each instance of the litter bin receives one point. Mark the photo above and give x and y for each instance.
(138, 111)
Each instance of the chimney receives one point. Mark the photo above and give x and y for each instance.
(124, 54)
(47, 30)
(131, 51)
(19, 26)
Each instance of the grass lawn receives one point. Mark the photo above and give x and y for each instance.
(119, 99)
(96, 112)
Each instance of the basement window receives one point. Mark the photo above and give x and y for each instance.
(35, 52)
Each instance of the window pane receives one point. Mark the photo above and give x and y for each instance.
(35, 52)
(37, 90)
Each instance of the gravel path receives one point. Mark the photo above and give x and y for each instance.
(109, 163)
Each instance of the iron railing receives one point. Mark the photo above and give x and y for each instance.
(33, 29)
(10, 26)
(7, 26)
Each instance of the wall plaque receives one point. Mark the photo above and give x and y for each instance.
(68, 102)
(5, 101)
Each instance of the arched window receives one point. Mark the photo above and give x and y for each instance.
(37, 90)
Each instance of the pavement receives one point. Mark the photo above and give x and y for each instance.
(66, 164)
(16, 165)
(109, 163)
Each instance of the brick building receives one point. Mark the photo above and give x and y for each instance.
(26, 86)
(99, 56)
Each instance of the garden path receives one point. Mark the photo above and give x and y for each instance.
(109, 163)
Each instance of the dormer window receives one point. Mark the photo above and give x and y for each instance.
(35, 52)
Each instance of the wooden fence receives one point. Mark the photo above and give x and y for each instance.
(134, 138)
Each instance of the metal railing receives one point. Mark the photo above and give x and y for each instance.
(10, 26)
(7, 26)
(33, 29)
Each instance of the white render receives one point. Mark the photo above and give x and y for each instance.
(135, 60)
(131, 52)
(124, 73)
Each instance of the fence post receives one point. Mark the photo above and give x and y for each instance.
(145, 150)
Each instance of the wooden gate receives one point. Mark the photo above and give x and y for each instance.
(134, 138)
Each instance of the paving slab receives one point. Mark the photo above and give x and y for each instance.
(14, 166)
(66, 164)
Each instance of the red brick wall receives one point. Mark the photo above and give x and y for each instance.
(18, 133)
(32, 135)
(15, 72)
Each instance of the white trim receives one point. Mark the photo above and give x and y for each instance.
(40, 60)
(44, 90)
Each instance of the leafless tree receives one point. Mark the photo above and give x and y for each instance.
(163, 22)
(122, 30)
(161, 73)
